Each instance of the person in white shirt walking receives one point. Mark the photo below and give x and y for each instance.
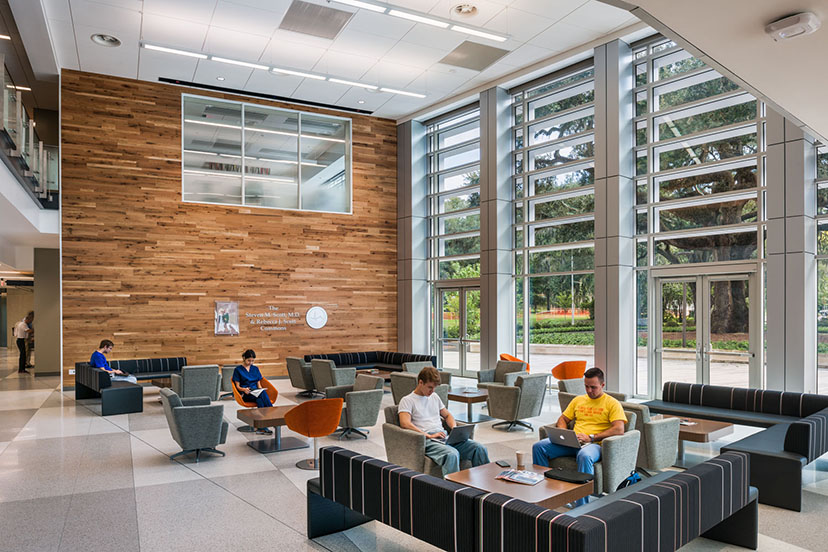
(21, 332)
(422, 410)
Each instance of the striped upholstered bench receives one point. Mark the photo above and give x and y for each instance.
(796, 434)
(663, 513)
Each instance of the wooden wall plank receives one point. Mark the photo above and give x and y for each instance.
(144, 269)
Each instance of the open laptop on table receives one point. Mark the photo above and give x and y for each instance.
(458, 435)
(563, 437)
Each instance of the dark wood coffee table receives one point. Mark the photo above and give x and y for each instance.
(271, 416)
(384, 374)
(702, 431)
(549, 493)
(161, 382)
(470, 396)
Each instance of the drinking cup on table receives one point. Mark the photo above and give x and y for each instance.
(520, 456)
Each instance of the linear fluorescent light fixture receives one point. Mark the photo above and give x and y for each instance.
(418, 18)
(241, 63)
(297, 73)
(4, 37)
(363, 5)
(352, 83)
(402, 92)
(174, 51)
(481, 34)
(23, 88)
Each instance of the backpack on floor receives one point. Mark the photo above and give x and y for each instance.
(631, 479)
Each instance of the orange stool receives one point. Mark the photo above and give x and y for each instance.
(314, 419)
(507, 356)
(569, 369)
(271, 392)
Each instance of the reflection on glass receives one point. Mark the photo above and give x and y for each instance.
(271, 159)
(580, 204)
(548, 182)
(558, 154)
(212, 151)
(564, 233)
(326, 163)
(641, 333)
(729, 332)
(459, 179)
(561, 260)
(450, 329)
(730, 246)
(678, 331)
(472, 314)
(447, 204)
(705, 216)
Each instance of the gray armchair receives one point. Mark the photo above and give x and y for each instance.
(571, 388)
(511, 403)
(197, 381)
(326, 374)
(195, 424)
(362, 404)
(301, 376)
(403, 383)
(406, 448)
(227, 381)
(659, 438)
(415, 367)
(618, 456)
(505, 372)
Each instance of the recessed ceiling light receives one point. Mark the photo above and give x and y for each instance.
(402, 92)
(418, 18)
(219, 78)
(174, 51)
(352, 83)
(360, 102)
(237, 62)
(297, 73)
(481, 34)
(105, 40)
(363, 5)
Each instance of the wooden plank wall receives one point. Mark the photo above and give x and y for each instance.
(144, 269)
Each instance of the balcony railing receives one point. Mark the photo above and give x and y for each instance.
(35, 164)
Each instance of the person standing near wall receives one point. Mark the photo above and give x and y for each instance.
(30, 344)
(21, 332)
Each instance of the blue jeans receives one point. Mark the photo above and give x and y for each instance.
(448, 456)
(261, 401)
(543, 451)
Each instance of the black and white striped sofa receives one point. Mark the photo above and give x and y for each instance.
(662, 513)
(796, 434)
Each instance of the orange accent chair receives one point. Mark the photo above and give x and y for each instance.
(272, 393)
(315, 419)
(510, 358)
(569, 369)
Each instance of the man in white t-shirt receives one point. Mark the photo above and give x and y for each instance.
(422, 411)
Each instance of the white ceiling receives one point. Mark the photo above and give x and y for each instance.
(372, 48)
(790, 75)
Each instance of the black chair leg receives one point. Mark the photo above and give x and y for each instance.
(511, 425)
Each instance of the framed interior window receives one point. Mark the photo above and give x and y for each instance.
(236, 153)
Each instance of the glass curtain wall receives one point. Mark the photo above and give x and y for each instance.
(822, 268)
(554, 222)
(699, 196)
(453, 176)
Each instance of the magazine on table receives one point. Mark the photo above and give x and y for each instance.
(521, 476)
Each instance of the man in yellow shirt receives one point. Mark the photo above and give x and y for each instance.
(597, 416)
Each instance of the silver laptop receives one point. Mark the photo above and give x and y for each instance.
(563, 437)
(458, 435)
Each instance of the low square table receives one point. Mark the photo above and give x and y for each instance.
(384, 374)
(702, 431)
(549, 493)
(270, 416)
(470, 396)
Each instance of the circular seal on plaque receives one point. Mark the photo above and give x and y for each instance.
(316, 317)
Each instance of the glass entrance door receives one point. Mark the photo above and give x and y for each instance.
(705, 331)
(459, 332)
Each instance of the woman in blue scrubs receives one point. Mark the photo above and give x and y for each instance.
(247, 377)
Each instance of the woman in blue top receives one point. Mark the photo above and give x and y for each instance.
(247, 377)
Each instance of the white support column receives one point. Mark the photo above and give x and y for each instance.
(496, 283)
(614, 217)
(791, 257)
(412, 231)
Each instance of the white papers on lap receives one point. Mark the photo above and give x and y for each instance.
(257, 392)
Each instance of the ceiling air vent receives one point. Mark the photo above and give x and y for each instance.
(474, 56)
(315, 20)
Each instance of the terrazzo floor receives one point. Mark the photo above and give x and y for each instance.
(73, 480)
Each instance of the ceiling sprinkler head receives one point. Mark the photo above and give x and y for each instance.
(464, 10)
